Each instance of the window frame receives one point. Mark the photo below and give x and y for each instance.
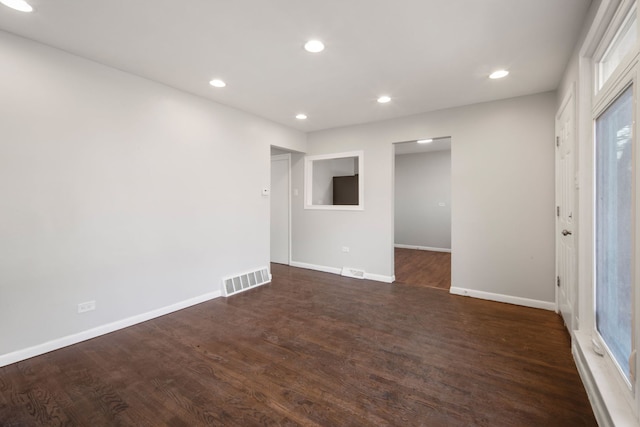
(623, 16)
(625, 75)
(629, 80)
(308, 181)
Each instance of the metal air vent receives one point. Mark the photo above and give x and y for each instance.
(236, 284)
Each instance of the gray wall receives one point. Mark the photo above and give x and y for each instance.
(502, 196)
(422, 183)
(121, 190)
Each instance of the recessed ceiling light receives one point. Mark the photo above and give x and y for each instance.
(499, 74)
(214, 82)
(20, 5)
(314, 46)
(301, 116)
(384, 99)
(424, 141)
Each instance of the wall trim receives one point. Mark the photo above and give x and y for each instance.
(324, 269)
(609, 406)
(56, 344)
(422, 248)
(526, 302)
(380, 278)
(338, 271)
(593, 393)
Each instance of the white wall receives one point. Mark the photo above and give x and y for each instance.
(422, 183)
(606, 391)
(575, 82)
(120, 190)
(502, 196)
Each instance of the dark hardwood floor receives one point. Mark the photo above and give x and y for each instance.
(312, 349)
(423, 268)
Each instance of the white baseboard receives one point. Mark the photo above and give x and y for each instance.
(504, 298)
(37, 350)
(380, 278)
(335, 270)
(422, 248)
(324, 269)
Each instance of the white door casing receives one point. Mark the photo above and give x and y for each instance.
(566, 192)
(280, 209)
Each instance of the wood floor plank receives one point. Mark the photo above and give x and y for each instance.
(424, 268)
(312, 349)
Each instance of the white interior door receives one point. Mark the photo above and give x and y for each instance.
(280, 212)
(566, 213)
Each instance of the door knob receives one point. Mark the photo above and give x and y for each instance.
(566, 232)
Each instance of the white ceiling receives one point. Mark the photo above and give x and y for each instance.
(412, 147)
(425, 54)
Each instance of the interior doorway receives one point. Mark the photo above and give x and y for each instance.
(280, 208)
(566, 262)
(422, 212)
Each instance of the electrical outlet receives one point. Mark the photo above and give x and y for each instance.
(345, 249)
(83, 307)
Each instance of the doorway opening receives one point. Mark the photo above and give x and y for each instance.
(280, 207)
(422, 212)
(566, 262)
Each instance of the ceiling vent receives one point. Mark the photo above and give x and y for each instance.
(236, 284)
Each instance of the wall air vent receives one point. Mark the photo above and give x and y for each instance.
(236, 284)
(352, 272)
